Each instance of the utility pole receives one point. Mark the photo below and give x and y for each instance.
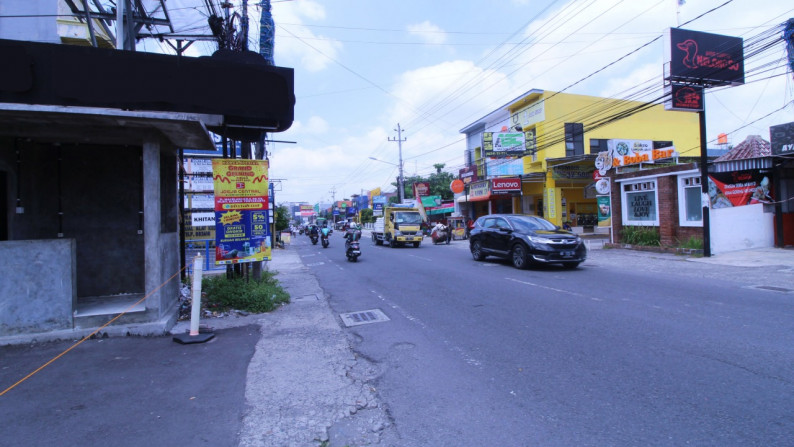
(399, 141)
(244, 25)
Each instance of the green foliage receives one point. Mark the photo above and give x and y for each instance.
(647, 236)
(366, 215)
(439, 184)
(251, 296)
(282, 218)
(695, 243)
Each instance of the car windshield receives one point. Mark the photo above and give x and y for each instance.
(530, 223)
(407, 218)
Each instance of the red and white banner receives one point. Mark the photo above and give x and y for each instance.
(505, 185)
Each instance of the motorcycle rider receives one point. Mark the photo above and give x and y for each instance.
(436, 232)
(353, 233)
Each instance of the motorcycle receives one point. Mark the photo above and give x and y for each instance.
(352, 245)
(314, 238)
(439, 234)
(325, 232)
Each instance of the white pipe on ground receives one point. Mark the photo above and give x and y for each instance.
(195, 311)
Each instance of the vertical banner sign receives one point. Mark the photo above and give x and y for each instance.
(551, 204)
(604, 211)
(242, 233)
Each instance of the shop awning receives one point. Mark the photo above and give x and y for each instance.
(464, 199)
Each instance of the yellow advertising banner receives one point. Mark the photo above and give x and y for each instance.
(242, 233)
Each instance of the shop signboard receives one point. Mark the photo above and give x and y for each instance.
(479, 191)
(201, 231)
(242, 233)
(421, 189)
(705, 58)
(377, 209)
(431, 201)
(198, 183)
(551, 203)
(604, 204)
(505, 166)
(632, 152)
(196, 201)
(202, 219)
(683, 97)
(505, 185)
(306, 210)
(503, 144)
(197, 166)
(738, 188)
(468, 175)
(572, 172)
(782, 139)
(444, 208)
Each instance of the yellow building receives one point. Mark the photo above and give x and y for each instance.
(563, 135)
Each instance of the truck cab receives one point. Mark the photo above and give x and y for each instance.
(398, 227)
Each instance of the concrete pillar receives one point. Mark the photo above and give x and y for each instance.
(151, 220)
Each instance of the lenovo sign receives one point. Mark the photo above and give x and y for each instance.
(505, 185)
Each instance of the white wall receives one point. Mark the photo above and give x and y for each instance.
(41, 26)
(740, 228)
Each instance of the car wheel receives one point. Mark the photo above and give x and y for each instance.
(570, 265)
(519, 257)
(416, 244)
(476, 251)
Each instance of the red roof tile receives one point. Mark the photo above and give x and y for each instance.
(752, 147)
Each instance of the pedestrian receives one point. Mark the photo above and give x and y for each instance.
(469, 227)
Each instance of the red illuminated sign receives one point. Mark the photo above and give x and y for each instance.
(705, 58)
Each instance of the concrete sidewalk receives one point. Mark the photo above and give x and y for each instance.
(304, 384)
(754, 257)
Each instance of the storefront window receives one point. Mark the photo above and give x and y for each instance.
(641, 204)
(690, 209)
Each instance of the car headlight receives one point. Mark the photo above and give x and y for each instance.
(398, 233)
(540, 240)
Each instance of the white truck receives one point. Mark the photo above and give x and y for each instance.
(397, 227)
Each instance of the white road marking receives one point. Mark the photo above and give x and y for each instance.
(456, 349)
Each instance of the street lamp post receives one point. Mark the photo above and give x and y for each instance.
(399, 178)
(399, 141)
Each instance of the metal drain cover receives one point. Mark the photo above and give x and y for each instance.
(363, 317)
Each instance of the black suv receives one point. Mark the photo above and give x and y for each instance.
(525, 240)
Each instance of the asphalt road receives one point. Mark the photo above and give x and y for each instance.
(127, 391)
(628, 349)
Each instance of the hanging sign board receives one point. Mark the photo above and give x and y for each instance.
(782, 139)
(683, 98)
(503, 144)
(242, 213)
(705, 58)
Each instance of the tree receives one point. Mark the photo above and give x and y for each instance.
(366, 215)
(439, 183)
(282, 218)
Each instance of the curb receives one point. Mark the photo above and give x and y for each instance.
(669, 250)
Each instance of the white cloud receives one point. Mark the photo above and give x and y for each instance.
(317, 125)
(297, 45)
(430, 33)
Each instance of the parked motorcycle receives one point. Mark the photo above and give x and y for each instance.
(352, 245)
(440, 234)
(324, 233)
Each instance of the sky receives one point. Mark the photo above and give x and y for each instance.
(363, 67)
